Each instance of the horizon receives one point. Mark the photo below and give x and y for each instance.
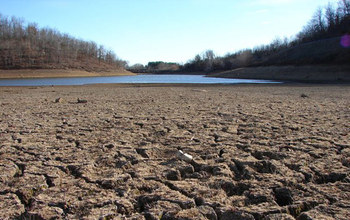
(169, 31)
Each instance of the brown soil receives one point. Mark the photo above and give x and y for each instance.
(54, 73)
(291, 73)
(112, 152)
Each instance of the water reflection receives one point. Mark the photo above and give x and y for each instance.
(197, 79)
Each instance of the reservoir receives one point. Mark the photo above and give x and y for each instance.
(197, 79)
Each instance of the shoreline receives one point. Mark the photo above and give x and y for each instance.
(190, 85)
(57, 73)
(284, 74)
(185, 85)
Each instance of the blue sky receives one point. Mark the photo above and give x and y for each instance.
(169, 30)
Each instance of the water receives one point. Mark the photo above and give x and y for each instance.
(197, 79)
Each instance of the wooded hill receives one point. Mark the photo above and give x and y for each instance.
(321, 42)
(26, 46)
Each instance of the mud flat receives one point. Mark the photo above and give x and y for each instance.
(112, 152)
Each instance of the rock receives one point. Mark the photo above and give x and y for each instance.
(157, 209)
(346, 161)
(75, 170)
(279, 216)
(46, 212)
(314, 215)
(119, 184)
(28, 186)
(234, 189)
(134, 217)
(144, 201)
(208, 212)
(59, 137)
(173, 175)
(242, 169)
(331, 177)
(187, 214)
(142, 152)
(199, 201)
(170, 216)
(82, 100)
(78, 200)
(258, 196)
(11, 206)
(230, 129)
(185, 170)
(305, 216)
(151, 216)
(109, 146)
(8, 170)
(199, 175)
(124, 206)
(103, 213)
(59, 100)
(283, 196)
(221, 152)
(222, 170)
(265, 166)
(229, 214)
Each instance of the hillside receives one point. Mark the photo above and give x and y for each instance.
(322, 45)
(26, 46)
(318, 61)
(316, 74)
(324, 51)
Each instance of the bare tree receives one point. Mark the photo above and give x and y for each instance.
(28, 46)
(345, 5)
(330, 15)
(138, 67)
(208, 58)
(318, 20)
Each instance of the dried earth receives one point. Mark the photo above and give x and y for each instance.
(111, 152)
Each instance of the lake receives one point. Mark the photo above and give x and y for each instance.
(197, 79)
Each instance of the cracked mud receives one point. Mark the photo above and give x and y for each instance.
(111, 152)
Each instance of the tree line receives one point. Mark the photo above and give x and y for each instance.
(320, 34)
(28, 46)
(155, 67)
(326, 22)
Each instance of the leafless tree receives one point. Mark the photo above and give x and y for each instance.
(345, 6)
(28, 46)
(330, 15)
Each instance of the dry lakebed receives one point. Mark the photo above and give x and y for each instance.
(175, 152)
